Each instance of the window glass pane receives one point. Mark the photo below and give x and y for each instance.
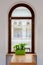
(21, 12)
(21, 32)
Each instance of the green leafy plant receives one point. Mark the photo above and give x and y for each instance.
(19, 49)
(22, 46)
(16, 47)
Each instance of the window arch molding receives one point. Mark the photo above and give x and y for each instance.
(9, 25)
(21, 4)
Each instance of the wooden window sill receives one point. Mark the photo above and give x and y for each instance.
(27, 59)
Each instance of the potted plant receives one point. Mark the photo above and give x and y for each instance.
(19, 49)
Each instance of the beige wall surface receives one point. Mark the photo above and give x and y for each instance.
(37, 6)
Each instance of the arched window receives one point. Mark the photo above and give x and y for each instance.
(21, 27)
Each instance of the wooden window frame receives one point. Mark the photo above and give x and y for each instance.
(9, 25)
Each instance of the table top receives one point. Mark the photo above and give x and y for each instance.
(27, 58)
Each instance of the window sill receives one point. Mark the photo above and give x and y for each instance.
(10, 54)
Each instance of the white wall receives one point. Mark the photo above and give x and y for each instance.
(5, 6)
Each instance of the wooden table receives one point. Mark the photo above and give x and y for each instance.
(27, 59)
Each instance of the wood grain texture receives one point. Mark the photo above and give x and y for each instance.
(27, 59)
(22, 64)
